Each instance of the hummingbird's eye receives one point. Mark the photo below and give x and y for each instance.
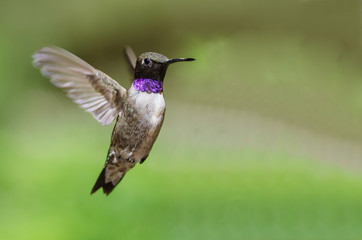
(146, 61)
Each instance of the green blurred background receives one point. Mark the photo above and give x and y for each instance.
(262, 137)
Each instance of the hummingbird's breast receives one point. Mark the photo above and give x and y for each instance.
(138, 124)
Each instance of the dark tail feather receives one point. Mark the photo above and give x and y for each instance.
(101, 182)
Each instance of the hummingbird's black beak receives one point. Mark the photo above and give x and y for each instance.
(180, 60)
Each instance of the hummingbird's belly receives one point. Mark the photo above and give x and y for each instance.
(139, 125)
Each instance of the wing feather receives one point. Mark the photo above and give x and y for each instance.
(91, 89)
(131, 57)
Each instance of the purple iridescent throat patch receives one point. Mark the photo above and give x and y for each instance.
(148, 85)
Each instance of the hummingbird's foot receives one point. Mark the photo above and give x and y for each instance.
(143, 159)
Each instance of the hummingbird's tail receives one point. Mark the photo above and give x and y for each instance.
(111, 175)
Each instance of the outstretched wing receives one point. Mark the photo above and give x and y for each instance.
(92, 89)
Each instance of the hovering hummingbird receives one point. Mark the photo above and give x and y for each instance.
(140, 110)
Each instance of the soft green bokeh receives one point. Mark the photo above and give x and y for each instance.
(262, 137)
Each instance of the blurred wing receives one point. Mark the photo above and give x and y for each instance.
(92, 89)
(131, 57)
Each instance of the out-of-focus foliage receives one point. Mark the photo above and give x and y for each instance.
(262, 137)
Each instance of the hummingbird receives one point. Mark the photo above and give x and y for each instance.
(139, 111)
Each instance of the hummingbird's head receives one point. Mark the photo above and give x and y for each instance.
(151, 65)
